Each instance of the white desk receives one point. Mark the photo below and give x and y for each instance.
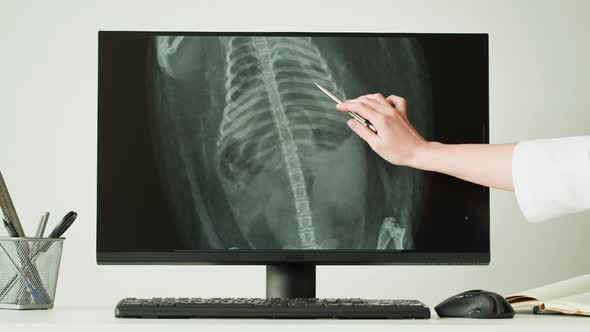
(65, 318)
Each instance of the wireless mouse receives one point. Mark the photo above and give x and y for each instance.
(475, 304)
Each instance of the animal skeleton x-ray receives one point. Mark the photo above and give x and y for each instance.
(254, 156)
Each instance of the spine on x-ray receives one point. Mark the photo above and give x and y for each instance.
(292, 161)
(252, 87)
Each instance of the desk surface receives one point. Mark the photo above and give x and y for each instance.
(102, 319)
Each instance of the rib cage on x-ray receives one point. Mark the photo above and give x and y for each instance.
(268, 161)
(271, 107)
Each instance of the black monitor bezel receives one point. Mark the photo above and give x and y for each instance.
(320, 257)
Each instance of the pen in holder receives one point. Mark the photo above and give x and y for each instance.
(29, 269)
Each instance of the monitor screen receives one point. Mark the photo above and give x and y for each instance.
(220, 143)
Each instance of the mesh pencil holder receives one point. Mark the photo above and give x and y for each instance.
(28, 272)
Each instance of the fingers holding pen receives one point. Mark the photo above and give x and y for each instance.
(362, 108)
(396, 140)
(378, 98)
(365, 133)
(378, 104)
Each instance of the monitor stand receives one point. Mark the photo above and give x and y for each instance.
(290, 280)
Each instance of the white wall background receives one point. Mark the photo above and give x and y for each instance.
(540, 77)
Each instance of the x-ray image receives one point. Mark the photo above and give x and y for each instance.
(252, 155)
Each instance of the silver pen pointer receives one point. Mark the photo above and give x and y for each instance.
(357, 117)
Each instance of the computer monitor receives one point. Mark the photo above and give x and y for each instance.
(217, 148)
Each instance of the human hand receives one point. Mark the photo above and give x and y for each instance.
(396, 139)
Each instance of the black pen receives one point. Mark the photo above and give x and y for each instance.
(63, 225)
(9, 228)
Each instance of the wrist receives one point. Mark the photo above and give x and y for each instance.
(424, 156)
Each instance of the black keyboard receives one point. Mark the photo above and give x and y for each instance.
(270, 308)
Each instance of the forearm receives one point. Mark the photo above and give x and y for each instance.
(398, 142)
(487, 165)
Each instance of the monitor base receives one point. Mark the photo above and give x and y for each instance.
(290, 280)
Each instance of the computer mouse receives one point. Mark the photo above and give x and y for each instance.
(475, 304)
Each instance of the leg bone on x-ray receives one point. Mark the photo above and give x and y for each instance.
(391, 235)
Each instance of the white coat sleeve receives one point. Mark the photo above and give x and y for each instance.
(552, 177)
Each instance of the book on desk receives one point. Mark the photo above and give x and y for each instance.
(570, 297)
